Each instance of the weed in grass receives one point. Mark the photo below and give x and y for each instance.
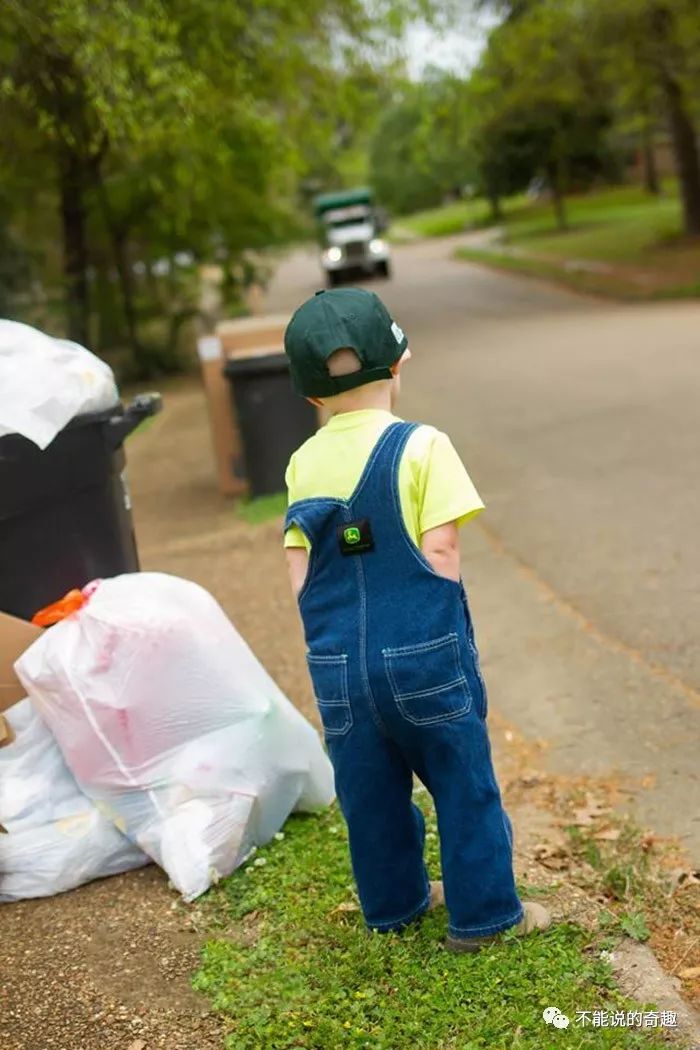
(635, 926)
(305, 973)
(618, 882)
(527, 891)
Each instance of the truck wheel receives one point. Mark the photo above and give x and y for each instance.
(383, 268)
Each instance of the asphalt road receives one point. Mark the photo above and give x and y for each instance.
(579, 421)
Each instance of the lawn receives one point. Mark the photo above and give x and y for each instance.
(620, 241)
(440, 222)
(293, 966)
(619, 224)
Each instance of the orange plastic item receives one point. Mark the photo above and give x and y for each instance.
(68, 604)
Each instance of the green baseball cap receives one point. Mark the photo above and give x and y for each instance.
(330, 320)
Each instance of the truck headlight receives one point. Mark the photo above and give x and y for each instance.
(334, 254)
(377, 246)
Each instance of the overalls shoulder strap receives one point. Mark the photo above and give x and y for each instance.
(378, 484)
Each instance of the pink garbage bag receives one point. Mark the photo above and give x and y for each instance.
(169, 722)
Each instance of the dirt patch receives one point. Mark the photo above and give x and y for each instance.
(573, 843)
(105, 967)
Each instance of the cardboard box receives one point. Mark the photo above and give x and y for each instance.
(224, 433)
(246, 333)
(7, 733)
(15, 636)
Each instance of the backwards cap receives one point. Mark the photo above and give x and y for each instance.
(331, 320)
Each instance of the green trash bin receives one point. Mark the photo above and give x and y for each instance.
(273, 420)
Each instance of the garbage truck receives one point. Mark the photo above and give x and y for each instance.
(350, 227)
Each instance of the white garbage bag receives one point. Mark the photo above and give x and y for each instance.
(45, 382)
(56, 838)
(170, 723)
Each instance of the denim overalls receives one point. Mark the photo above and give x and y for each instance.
(396, 676)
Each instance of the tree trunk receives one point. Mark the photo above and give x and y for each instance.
(118, 236)
(649, 168)
(683, 134)
(126, 285)
(685, 148)
(495, 204)
(559, 206)
(72, 184)
(556, 185)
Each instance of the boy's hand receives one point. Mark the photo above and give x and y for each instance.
(441, 547)
(297, 564)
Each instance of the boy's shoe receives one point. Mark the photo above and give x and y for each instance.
(536, 917)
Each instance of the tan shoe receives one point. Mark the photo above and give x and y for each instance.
(535, 917)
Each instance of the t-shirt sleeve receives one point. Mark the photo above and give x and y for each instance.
(293, 537)
(446, 492)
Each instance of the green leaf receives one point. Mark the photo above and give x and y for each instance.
(634, 925)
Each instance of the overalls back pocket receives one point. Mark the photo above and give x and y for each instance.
(428, 680)
(329, 675)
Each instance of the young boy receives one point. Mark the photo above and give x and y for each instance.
(373, 552)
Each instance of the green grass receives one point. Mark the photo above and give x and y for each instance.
(257, 511)
(439, 222)
(454, 218)
(294, 966)
(618, 225)
(449, 219)
(635, 239)
(616, 284)
(143, 426)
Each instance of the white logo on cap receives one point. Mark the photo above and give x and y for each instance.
(398, 334)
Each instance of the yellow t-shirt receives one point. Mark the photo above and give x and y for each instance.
(434, 487)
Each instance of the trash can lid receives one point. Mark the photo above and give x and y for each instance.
(259, 362)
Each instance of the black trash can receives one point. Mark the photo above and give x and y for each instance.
(65, 513)
(272, 418)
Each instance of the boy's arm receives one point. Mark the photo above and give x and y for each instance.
(297, 566)
(296, 545)
(441, 547)
(447, 499)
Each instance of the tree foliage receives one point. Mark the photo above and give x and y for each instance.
(421, 152)
(143, 138)
(149, 131)
(570, 69)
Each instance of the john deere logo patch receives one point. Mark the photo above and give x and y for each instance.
(355, 538)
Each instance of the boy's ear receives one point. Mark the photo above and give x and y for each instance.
(396, 367)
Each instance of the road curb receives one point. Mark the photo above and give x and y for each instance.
(639, 975)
